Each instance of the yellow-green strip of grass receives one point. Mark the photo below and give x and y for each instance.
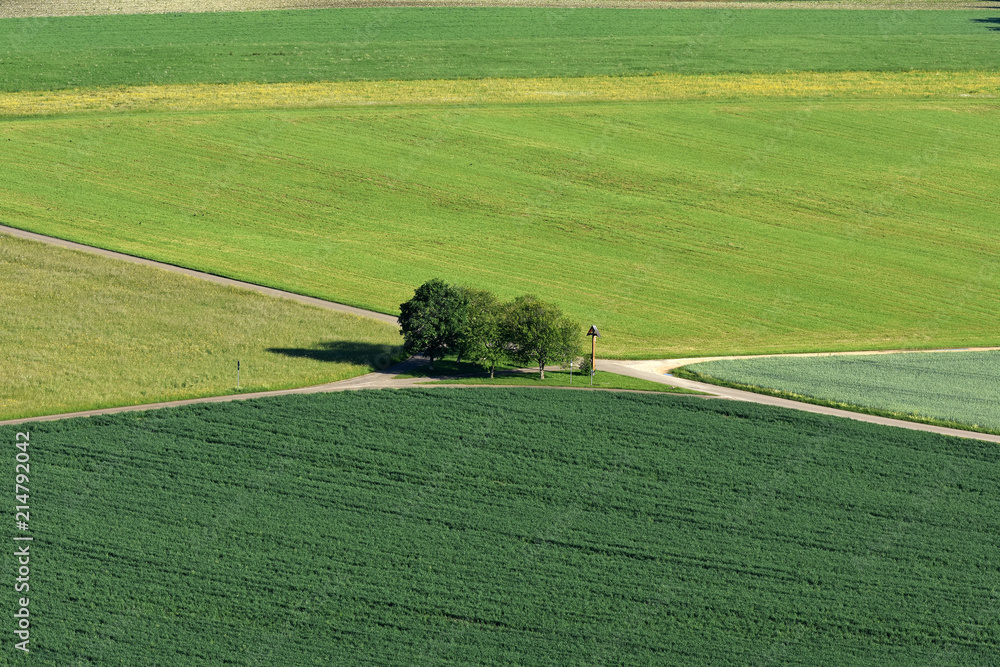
(210, 97)
(83, 332)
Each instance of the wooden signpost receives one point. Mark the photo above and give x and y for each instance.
(594, 335)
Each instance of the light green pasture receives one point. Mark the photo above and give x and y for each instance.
(679, 228)
(83, 332)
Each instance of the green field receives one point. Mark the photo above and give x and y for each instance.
(476, 527)
(959, 388)
(682, 228)
(83, 332)
(502, 526)
(435, 43)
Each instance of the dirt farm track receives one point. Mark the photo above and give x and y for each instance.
(653, 370)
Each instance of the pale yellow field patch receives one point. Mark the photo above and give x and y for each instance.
(207, 97)
(29, 8)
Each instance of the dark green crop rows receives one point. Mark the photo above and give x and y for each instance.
(506, 527)
(446, 43)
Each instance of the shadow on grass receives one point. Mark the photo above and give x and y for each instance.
(449, 368)
(376, 357)
(992, 23)
(445, 369)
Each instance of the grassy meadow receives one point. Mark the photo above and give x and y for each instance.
(475, 527)
(84, 332)
(689, 228)
(454, 43)
(954, 388)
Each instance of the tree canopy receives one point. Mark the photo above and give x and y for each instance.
(541, 334)
(485, 337)
(477, 326)
(434, 319)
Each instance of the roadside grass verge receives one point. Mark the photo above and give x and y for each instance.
(952, 389)
(471, 43)
(662, 87)
(84, 332)
(449, 371)
(510, 527)
(629, 215)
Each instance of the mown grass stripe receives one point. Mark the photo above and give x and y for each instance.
(208, 97)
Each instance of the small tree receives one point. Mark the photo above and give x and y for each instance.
(484, 339)
(540, 333)
(433, 320)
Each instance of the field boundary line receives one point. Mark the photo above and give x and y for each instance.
(201, 275)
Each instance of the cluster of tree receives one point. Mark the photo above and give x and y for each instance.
(477, 326)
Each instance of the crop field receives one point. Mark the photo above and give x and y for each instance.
(697, 227)
(475, 527)
(456, 43)
(961, 388)
(83, 332)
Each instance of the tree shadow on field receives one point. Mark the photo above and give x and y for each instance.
(376, 357)
(992, 23)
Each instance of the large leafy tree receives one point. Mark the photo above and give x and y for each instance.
(434, 319)
(539, 333)
(484, 339)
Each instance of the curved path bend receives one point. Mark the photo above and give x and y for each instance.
(659, 371)
(653, 370)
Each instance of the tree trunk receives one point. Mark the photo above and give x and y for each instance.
(430, 366)
(541, 370)
(491, 371)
